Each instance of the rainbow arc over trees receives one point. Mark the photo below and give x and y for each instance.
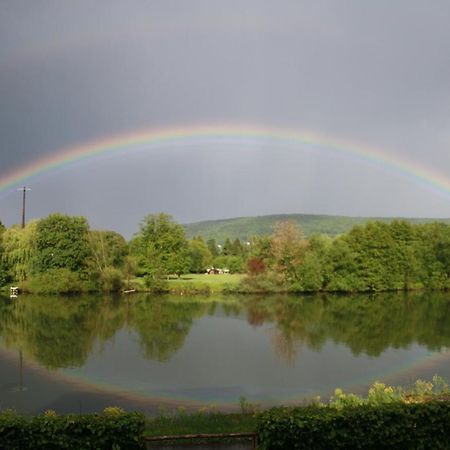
(236, 135)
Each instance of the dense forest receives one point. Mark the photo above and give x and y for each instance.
(61, 254)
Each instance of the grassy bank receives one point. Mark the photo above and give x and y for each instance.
(202, 283)
(204, 423)
(209, 422)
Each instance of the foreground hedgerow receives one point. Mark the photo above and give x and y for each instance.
(111, 430)
(388, 418)
(394, 425)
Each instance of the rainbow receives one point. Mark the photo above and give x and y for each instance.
(180, 137)
(420, 366)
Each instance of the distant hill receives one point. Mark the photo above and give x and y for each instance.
(245, 227)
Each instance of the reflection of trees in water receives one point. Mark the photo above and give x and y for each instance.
(366, 324)
(285, 349)
(162, 325)
(60, 332)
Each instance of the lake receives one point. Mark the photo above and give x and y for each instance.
(155, 354)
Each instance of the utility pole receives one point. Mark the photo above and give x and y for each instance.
(24, 191)
(24, 195)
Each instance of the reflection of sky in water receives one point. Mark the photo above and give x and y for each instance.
(224, 358)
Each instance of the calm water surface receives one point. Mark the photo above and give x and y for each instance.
(151, 353)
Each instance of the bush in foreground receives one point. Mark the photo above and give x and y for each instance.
(395, 425)
(113, 429)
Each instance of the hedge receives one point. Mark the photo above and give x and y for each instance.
(387, 426)
(108, 431)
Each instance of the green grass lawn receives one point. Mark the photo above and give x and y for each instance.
(204, 423)
(203, 282)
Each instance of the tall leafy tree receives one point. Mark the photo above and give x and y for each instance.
(3, 264)
(288, 247)
(161, 247)
(18, 250)
(108, 249)
(61, 242)
(108, 253)
(236, 248)
(199, 254)
(227, 249)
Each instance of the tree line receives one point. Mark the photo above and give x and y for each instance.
(60, 253)
(376, 256)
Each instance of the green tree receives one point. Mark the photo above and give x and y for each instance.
(3, 265)
(199, 254)
(433, 250)
(213, 248)
(235, 264)
(161, 247)
(107, 248)
(108, 253)
(236, 248)
(61, 242)
(18, 250)
(227, 249)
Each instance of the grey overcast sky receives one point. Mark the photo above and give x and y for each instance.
(373, 73)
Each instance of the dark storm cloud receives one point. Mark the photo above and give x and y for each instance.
(376, 73)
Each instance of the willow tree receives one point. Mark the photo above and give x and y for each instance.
(18, 250)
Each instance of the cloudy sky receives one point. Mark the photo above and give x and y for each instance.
(373, 74)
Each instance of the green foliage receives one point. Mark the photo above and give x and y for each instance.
(235, 264)
(55, 281)
(205, 421)
(200, 255)
(376, 256)
(18, 250)
(111, 279)
(204, 284)
(393, 425)
(108, 248)
(4, 272)
(161, 247)
(380, 394)
(72, 432)
(262, 284)
(213, 248)
(61, 243)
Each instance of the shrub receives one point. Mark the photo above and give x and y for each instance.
(263, 283)
(395, 425)
(54, 281)
(111, 430)
(111, 279)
